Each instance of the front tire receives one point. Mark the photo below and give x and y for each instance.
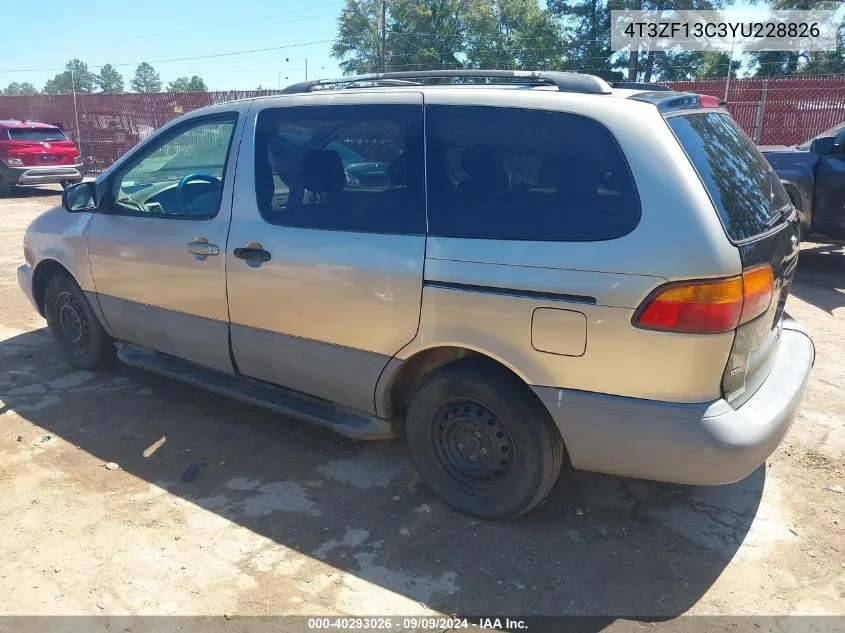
(83, 342)
(482, 442)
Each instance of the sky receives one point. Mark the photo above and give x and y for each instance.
(126, 33)
(235, 44)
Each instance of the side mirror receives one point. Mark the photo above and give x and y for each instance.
(823, 146)
(80, 197)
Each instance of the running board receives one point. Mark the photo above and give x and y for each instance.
(348, 422)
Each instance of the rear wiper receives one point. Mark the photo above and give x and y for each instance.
(781, 216)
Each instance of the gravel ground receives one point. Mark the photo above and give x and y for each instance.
(285, 518)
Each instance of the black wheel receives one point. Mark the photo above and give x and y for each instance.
(482, 442)
(5, 188)
(82, 340)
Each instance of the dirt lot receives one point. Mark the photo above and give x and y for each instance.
(285, 518)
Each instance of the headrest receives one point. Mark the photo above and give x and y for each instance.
(322, 171)
(398, 170)
(481, 162)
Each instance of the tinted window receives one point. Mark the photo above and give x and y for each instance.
(526, 175)
(347, 168)
(745, 190)
(38, 135)
(181, 175)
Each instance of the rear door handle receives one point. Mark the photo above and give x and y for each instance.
(203, 248)
(253, 254)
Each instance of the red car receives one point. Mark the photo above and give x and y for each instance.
(34, 153)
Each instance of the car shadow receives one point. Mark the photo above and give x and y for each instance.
(820, 278)
(35, 192)
(599, 545)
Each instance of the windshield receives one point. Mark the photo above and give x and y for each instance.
(745, 190)
(36, 135)
(836, 129)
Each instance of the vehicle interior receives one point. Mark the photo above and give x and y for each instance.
(182, 177)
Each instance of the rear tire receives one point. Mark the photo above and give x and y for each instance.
(5, 189)
(82, 341)
(482, 442)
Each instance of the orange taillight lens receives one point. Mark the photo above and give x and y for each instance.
(758, 287)
(708, 307)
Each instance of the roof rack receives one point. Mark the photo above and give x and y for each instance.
(639, 85)
(564, 81)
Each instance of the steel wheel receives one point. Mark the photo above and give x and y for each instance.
(73, 324)
(474, 446)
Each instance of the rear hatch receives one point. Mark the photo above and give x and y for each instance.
(758, 218)
(38, 147)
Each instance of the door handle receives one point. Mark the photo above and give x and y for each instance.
(253, 254)
(203, 248)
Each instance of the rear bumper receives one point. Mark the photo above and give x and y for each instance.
(41, 175)
(700, 444)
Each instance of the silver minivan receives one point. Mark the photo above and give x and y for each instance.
(512, 269)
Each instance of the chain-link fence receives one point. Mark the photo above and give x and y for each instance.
(773, 111)
(105, 126)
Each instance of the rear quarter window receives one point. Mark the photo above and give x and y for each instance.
(745, 190)
(504, 173)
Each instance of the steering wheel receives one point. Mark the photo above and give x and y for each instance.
(180, 188)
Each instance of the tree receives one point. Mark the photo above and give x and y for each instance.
(146, 79)
(17, 89)
(109, 79)
(357, 42)
(785, 63)
(426, 34)
(443, 34)
(76, 76)
(183, 84)
(516, 34)
(587, 24)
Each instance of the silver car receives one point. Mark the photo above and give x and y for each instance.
(533, 270)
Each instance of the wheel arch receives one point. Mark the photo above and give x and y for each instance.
(41, 276)
(401, 377)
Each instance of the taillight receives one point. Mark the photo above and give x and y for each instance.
(758, 286)
(707, 307)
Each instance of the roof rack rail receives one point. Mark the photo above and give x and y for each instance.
(563, 81)
(639, 85)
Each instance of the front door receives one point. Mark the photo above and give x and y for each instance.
(157, 249)
(829, 192)
(324, 266)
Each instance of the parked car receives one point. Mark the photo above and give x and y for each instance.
(34, 153)
(555, 270)
(813, 174)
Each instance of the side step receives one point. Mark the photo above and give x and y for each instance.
(348, 422)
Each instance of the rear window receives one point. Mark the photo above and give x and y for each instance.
(506, 173)
(36, 135)
(743, 186)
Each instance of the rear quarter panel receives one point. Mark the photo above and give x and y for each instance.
(679, 237)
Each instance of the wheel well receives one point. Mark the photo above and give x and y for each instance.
(44, 272)
(415, 369)
(793, 194)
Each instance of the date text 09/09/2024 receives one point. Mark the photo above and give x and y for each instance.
(723, 29)
(423, 623)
